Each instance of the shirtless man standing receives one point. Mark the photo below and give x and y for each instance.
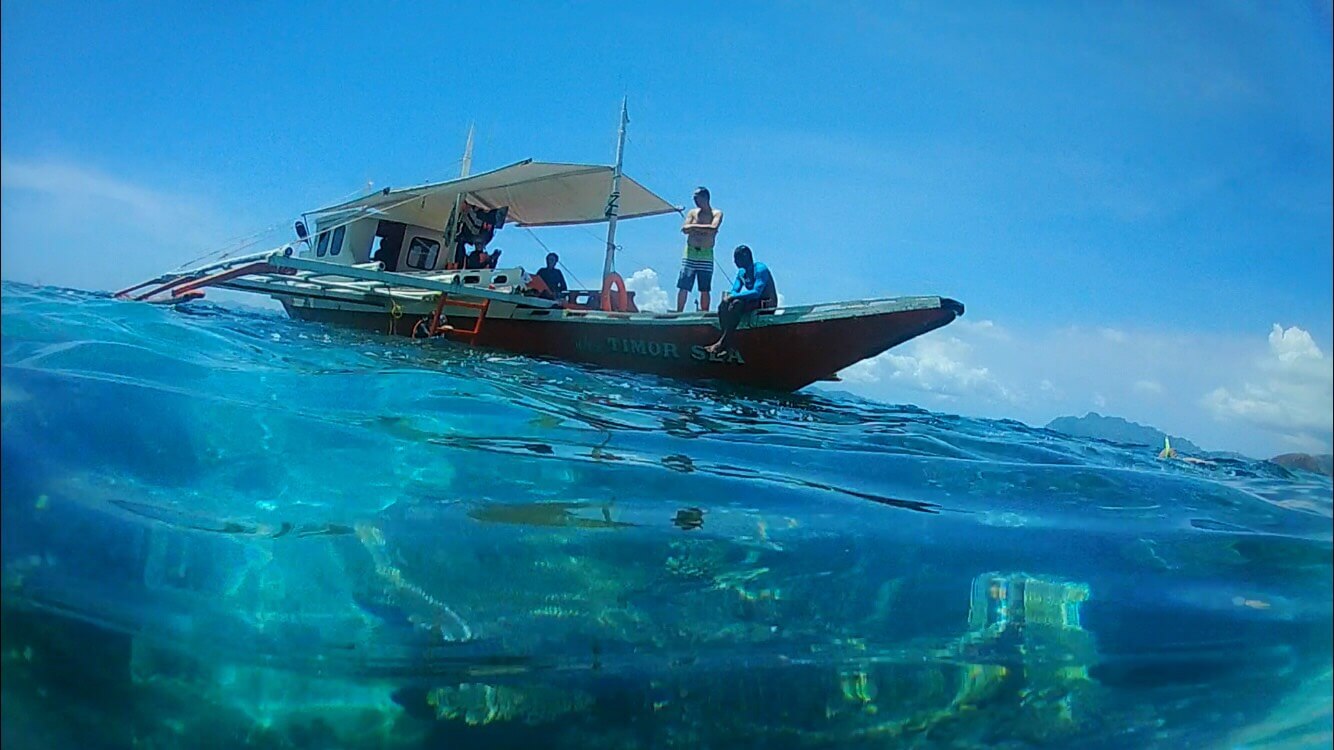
(701, 231)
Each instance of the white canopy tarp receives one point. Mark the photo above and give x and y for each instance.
(538, 194)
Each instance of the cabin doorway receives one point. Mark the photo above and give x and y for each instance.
(387, 243)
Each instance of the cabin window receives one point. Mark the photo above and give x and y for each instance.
(336, 244)
(422, 253)
(322, 246)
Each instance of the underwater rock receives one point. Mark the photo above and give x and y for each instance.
(688, 519)
(479, 703)
(545, 514)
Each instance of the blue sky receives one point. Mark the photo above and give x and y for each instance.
(1127, 197)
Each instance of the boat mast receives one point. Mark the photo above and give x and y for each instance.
(467, 152)
(613, 200)
(451, 232)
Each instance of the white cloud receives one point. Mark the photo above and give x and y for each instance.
(73, 185)
(71, 225)
(1304, 444)
(1113, 335)
(939, 365)
(1153, 377)
(1295, 347)
(982, 328)
(865, 371)
(1291, 392)
(1149, 387)
(1049, 390)
(649, 295)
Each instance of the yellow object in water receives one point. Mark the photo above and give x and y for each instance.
(1168, 451)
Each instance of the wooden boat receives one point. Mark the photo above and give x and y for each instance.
(385, 262)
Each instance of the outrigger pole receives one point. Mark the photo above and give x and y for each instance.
(613, 200)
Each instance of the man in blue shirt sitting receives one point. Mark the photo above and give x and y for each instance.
(752, 289)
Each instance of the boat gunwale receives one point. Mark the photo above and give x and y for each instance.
(422, 302)
(418, 293)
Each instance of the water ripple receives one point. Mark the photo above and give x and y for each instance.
(270, 494)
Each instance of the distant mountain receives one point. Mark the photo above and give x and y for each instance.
(1320, 464)
(1118, 430)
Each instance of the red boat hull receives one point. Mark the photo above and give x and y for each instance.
(785, 356)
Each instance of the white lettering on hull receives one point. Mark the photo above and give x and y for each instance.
(653, 349)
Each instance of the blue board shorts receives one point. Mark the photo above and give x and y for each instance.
(691, 275)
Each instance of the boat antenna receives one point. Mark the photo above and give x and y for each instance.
(467, 152)
(614, 198)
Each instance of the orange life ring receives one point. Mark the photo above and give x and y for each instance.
(622, 303)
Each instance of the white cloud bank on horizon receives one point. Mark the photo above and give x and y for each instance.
(1272, 403)
(1291, 392)
(942, 366)
(1168, 380)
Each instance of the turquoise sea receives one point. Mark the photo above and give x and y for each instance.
(222, 528)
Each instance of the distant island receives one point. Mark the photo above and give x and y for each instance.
(1320, 464)
(1118, 430)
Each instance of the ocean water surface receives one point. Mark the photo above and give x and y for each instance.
(222, 528)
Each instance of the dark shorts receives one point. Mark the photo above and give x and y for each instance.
(746, 304)
(691, 276)
(739, 306)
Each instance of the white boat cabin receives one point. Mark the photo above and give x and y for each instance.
(394, 245)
